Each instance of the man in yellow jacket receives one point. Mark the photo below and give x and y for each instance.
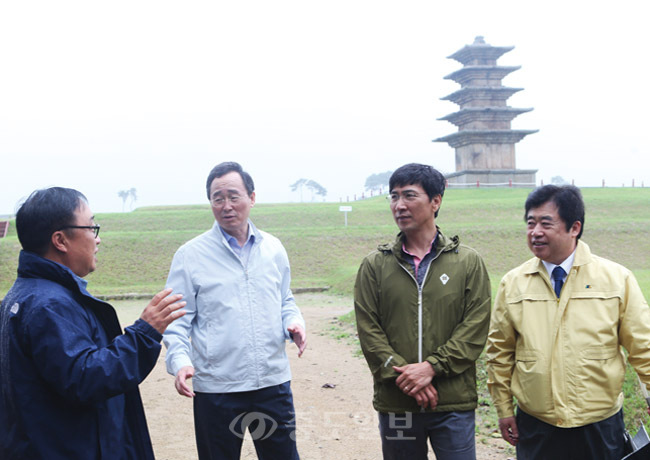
(559, 323)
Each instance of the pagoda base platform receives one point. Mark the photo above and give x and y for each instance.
(492, 178)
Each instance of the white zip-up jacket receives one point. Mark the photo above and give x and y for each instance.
(235, 328)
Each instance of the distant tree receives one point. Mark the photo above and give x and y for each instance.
(298, 185)
(315, 187)
(124, 194)
(132, 193)
(378, 181)
(558, 180)
(134, 196)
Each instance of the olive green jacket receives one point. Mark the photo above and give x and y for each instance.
(445, 322)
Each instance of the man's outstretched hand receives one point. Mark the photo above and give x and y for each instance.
(163, 309)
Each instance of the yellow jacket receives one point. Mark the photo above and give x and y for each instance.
(562, 358)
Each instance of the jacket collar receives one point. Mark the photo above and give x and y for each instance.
(219, 235)
(444, 243)
(31, 265)
(583, 257)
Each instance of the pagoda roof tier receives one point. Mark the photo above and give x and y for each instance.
(492, 136)
(479, 52)
(473, 54)
(477, 93)
(471, 114)
(480, 72)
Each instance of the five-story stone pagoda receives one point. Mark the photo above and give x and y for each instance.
(484, 143)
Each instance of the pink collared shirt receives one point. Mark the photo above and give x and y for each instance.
(416, 259)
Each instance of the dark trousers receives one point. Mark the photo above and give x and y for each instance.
(602, 440)
(451, 434)
(221, 420)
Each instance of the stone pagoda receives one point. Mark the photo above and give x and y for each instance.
(484, 143)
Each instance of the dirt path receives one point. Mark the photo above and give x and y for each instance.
(336, 423)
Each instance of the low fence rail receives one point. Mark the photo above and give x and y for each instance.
(479, 184)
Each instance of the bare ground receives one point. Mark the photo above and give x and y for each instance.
(336, 422)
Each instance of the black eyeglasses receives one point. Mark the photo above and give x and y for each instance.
(94, 228)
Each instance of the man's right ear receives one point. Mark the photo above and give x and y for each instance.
(59, 241)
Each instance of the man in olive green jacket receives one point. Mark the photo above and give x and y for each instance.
(423, 309)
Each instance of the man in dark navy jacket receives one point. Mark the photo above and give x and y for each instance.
(69, 376)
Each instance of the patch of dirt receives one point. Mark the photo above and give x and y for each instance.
(332, 392)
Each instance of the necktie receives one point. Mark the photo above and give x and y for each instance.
(558, 276)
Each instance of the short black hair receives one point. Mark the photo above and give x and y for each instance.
(226, 167)
(568, 200)
(43, 213)
(427, 177)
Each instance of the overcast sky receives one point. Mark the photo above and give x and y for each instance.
(106, 96)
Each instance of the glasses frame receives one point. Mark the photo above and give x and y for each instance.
(407, 197)
(233, 200)
(94, 228)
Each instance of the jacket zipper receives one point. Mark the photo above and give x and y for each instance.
(420, 357)
(250, 311)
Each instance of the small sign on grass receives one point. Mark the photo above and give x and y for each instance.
(345, 210)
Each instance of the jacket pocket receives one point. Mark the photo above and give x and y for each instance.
(601, 371)
(595, 312)
(531, 381)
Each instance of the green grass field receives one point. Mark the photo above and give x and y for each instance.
(137, 247)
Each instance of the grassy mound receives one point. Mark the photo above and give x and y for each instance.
(137, 247)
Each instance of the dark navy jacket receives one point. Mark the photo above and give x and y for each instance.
(68, 376)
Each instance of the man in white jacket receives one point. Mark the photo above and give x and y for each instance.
(231, 342)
